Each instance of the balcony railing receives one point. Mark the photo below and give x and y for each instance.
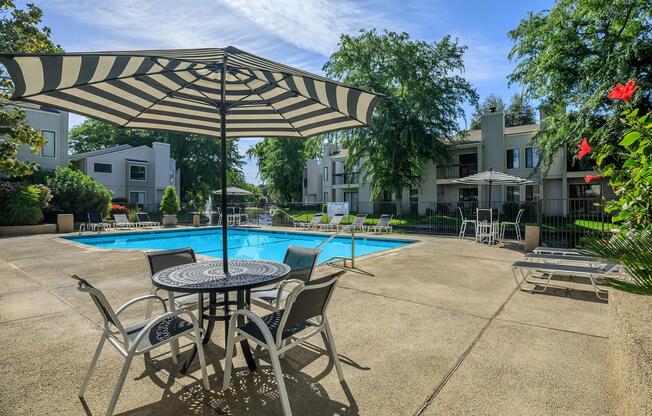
(345, 178)
(456, 171)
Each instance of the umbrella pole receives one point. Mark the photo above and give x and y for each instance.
(223, 110)
(489, 194)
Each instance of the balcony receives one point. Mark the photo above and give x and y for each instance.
(345, 178)
(456, 171)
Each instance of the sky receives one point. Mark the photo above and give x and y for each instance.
(299, 33)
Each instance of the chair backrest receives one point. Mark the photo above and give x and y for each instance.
(121, 218)
(461, 213)
(384, 220)
(519, 215)
(95, 217)
(359, 220)
(483, 214)
(337, 218)
(142, 217)
(307, 302)
(317, 218)
(302, 261)
(161, 260)
(108, 314)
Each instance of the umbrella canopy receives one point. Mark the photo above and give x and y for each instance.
(235, 191)
(222, 92)
(491, 177)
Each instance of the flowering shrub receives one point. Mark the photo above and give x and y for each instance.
(119, 209)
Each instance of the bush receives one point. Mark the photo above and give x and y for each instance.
(20, 205)
(77, 194)
(119, 209)
(170, 201)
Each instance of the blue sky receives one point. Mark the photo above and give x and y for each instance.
(301, 33)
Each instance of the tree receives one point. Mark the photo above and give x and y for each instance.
(425, 97)
(170, 201)
(490, 101)
(570, 56)
(198, 157)
(19, 32)
(519, 112)
(280, 164)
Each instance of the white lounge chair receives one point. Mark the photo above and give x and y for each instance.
(122, 222)
(333, 224)
(144, 221)
(95, 223)
(313, 223)
(383, 224)
(356, 225)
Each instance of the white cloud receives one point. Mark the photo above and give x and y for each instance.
(485, 60)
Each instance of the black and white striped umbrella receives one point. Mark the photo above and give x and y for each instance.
(222, 92)
(491, 177)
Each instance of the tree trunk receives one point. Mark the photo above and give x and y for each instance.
(398, 200)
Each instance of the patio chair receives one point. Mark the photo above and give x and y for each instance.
(383, 224)
(144, 221)
(95, 223)
(302, 262)
(561, 251)
(121, 221)
(140, 337)
(356, 225)
(547, 270)
(465, 222)
(484, 227)
(313, 223)
(333, 224)
(516, 224)
(280, 331)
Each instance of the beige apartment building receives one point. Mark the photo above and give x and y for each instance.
(505, 149)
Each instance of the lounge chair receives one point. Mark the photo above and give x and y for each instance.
(545, 272)
(140, 337)
(333, 224)
(356, 225)
(121, 221)
(313, 223)
(303, 317)
(382, 225)
(95, 223)
(144, 221)
(564, 259)
(302, 262)
(561, 251)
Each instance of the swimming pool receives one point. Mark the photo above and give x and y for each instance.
(243, 243)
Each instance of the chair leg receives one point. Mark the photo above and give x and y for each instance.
(174, 344)
(331, 347)
(121, 382)
(518, 232)
(278, 372)
(91, 368)
(202, 358)
(228, 363)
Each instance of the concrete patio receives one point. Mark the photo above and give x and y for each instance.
(435, 328)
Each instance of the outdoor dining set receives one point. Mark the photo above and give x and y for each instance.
(199, 294)
(488, 227)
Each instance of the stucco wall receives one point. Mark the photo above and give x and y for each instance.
(56, 122)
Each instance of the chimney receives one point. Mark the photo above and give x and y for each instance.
(493, 139)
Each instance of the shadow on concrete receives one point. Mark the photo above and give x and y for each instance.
(571, 293)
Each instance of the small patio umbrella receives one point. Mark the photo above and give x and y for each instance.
(223, 92)
(491, 177)
(234, 191)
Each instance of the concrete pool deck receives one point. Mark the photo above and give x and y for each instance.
(433, 328)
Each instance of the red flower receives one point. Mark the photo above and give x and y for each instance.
(591, 178)
(584, 147)
(623, 92)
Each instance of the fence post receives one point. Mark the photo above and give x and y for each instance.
(540, 219)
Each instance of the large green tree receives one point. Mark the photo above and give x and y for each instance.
(424, 105)
(569, 57)
(198, 157)
(280, 164)
(20, 31)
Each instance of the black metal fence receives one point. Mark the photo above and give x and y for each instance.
(562, 222)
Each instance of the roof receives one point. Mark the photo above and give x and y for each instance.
(340, 153)
(476, 135)
(86, 155)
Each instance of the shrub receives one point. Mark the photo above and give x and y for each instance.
(119, 209)
(170, 201)
(45, 196)
(21, 205)
(510, 210)
(77, 194)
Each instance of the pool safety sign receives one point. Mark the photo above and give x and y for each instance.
(333, 208)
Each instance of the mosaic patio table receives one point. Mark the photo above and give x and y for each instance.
(208, 277)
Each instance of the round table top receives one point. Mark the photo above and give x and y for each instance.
(208, 276)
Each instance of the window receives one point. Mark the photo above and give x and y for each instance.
(325, 196)
(325, 173)
(531, 157)
(137, 173)
(513, 158)
(531, 192)
(593, 190)
(137, 197)
(468, 194)
(513, 193)
(352, 199)
(102, 167)
(172, 176)
(48, 149)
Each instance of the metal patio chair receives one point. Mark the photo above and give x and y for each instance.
(122, 222)
(383, 224)
(465, 222)
(313, 223)
(356, 225)
(144, 221)
(516, 224)
(280, 331)
(333, 224)
(140, 337)
(95, 223)
(484, 227)
(302, 262)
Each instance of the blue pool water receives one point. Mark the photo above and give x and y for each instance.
(243, 243)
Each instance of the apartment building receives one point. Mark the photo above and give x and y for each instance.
(137, 174)
(493, 146)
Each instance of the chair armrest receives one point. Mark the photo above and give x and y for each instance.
(281, 288)
(139, 299)
(264, 329)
